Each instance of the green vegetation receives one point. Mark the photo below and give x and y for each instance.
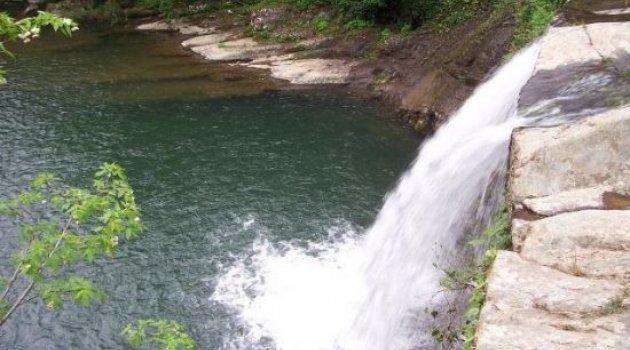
(495, 238)
(320, 24)
(357, 24)
(532, 19)
(161, 334)
(62, 228)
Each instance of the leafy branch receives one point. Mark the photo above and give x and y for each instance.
(29, 28)
(63, 227)
(162, 334)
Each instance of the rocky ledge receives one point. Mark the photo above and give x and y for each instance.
(566, 285)
(286, 61)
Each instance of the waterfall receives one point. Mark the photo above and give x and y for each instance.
(368, 292)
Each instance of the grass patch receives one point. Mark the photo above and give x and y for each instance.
(532, 20)
(494, 238)
(473, 277)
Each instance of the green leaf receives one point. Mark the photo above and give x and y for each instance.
(161, 334)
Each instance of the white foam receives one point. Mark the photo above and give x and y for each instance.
(365, 293)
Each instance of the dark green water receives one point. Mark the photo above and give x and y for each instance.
(218, 157)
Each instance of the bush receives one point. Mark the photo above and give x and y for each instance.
(321, 24)
(357, 24)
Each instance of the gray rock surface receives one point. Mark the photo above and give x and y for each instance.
(531, 307)
(593, 243)
(236, 50)
(591, 153)
(205, 40)
(567, 284)
(564, 46)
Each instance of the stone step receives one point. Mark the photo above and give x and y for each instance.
(594, 243)
(532, 307)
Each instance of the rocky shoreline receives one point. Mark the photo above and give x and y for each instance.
(566, 285)
(422, 78)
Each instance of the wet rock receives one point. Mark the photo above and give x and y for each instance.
(594, 152)
(532, 307)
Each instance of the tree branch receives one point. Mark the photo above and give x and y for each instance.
(21, 299)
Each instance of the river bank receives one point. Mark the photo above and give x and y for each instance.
(422, 76)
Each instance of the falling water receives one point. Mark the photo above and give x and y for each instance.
(367, 292)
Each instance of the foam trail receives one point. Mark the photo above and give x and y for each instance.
(366, 293)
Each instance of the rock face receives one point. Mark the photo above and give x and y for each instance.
(567, 284)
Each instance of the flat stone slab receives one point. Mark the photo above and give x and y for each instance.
(567, 201)
(312, 71)
(207, 39)
(564, 46)
(236, 50)
(532, 307)
(594, 243)
(174, 26)
(591, 153)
